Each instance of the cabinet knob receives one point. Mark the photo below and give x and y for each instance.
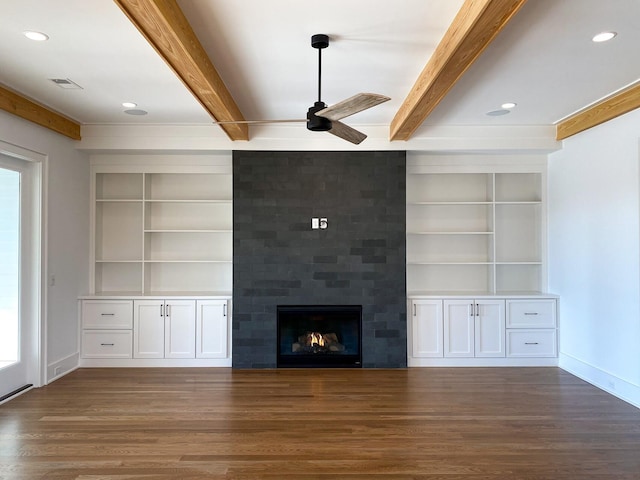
(531, 313)
(107, 344)
(107, 314)
(531, 343)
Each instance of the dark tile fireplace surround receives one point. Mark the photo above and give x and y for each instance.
(280, 261)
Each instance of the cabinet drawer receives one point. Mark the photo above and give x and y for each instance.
(531, 313)
(107, 343)
(531, 343)
(107, 314)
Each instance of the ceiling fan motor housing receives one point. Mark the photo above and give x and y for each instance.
(320, 40)
(315, 123)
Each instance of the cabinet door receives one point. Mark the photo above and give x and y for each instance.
(180, 329)
(458, 328)
(489, 328)
(212, 329)
(148, 329)
(426, 328)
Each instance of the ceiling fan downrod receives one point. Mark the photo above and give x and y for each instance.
(315, 123)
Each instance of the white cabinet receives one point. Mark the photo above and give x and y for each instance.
(531, 313)
(106, 343)
(107, 314)
(475, 228)
(426, 328)
(156, 332)
(179, 329)
(458, 328)
(212, 327)
(107, 329)
(160, 230)
(488, 331)
(474, 328)
(164, 329)
(531, 343)
(531, 328)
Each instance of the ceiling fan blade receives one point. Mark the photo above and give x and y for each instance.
(256, 122)
(355, 104)
(347, 133)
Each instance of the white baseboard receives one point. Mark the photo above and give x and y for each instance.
(481, 362)
(62, 367)
(616, 386)
(154, 362)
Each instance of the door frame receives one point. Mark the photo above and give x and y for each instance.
(38, 301)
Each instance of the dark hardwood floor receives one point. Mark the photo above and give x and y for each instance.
(429, 423)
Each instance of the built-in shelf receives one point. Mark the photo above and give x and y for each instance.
(475, 232)
(162, 231)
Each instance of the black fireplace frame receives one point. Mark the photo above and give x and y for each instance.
(302, 360)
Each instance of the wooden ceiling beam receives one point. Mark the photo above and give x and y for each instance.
(166, 28)
(22, 107)
(601, 112)
(477, 23)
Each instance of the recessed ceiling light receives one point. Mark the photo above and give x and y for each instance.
(129, 105)
(603, 36)
(497, 113)
(136, 111)
(508, 105)
(37, 36)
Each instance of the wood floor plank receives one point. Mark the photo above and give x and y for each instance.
(418, 424)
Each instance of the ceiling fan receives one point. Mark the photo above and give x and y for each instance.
(320, 117)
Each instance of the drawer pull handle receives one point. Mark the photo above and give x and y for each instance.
(107, 314)
(531, 313)
(107, 344)
(531, 343)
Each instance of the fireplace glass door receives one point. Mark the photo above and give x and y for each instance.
(319, 336)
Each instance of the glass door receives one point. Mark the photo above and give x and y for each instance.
(19, 247)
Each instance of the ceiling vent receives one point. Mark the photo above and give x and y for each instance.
(66, 83)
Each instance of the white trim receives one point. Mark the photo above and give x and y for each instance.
(210, 138)
(154, 362)
(616, 386)
(62, 367)
(39, 229)
(482, 362)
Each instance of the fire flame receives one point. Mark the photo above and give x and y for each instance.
(316, 339)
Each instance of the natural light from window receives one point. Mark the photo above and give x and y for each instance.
(9, 265)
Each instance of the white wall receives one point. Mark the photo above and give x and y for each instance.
(67, 234)
(594, 240)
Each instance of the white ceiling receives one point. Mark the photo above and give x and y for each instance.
(544, 60)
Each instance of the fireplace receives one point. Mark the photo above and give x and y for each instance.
(319, 336)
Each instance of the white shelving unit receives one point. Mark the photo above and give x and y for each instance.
(475, 232)
(161, 230)
(162, 238)
(476, 242)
